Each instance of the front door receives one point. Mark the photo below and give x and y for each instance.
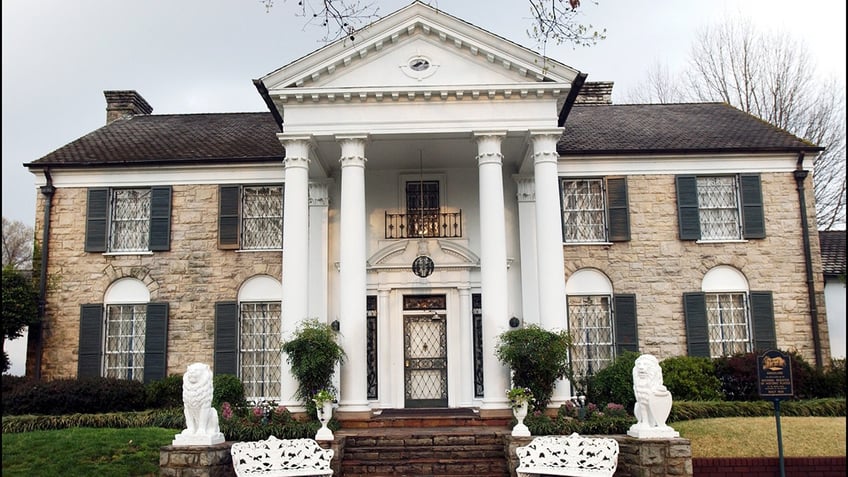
(425, 359)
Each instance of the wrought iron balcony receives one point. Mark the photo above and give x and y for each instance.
(428, 225)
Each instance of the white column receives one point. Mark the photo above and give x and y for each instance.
(527, 242)
(295, 249)
(466, 333)
(318, 249)
(493, 270)
(384, 352)
(551, 265)
(352, 259)
(551, 283)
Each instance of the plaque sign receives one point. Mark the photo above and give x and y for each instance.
(774, 375)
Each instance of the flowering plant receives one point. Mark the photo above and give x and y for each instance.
(518, 396)
(323, 396)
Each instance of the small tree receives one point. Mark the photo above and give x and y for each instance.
(537, 359)
(20, 306)
(313, 353)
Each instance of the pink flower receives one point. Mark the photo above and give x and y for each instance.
(257, 411)
(227, 411)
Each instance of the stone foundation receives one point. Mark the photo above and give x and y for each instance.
(196, 461)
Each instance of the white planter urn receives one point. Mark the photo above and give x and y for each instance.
(520, 412)
(325, 412)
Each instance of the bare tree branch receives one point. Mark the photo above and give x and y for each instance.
(17, 245)
(771, 76)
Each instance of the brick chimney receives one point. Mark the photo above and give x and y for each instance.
(124, 104)
(599, 92)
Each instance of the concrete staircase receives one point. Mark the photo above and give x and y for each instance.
(418, 443)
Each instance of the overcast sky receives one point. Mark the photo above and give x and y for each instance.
(188, 56)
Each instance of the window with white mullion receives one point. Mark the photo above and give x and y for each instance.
(728, 324)
(583, 209)
(130, 220)
(718, 205)
(126, 327)
(262, 217)
(259, 354)
(590, 326)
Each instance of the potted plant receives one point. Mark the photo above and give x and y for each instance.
(313, 353)
(519, 399)
(537, 359)
(323, 400)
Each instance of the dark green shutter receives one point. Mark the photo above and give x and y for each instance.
(688, 217)
(626, 327)
(762, 316)
(226, 338)
(697, 332)
(160, 219)
(156, 342)
(619, 215)
(90, 341)
(228, 217)
(753, 217)
(96, 220)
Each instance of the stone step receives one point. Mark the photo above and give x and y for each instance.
(451, 451)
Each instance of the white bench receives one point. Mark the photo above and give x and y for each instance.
(572, 455)
(281, 458)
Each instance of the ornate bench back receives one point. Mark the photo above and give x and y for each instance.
(596, 455)
(275, 455)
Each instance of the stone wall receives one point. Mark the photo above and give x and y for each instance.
(191, 277)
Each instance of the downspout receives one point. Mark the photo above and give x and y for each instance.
(47, 190)
(800, 175)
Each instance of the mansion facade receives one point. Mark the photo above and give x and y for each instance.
(423, 189)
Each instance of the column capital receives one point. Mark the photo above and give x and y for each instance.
(544, 142)
(318, 193)
(489, 146)
(353, 149)
(298, 149)
(526, 187)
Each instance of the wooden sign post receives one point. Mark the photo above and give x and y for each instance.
(774, 378)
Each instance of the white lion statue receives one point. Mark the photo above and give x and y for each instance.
(653, 400)
(201, 418)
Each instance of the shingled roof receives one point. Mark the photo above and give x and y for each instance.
(671, 128)
(833, 252)
(174, 139)
(590, 129)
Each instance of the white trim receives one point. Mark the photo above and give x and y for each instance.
(584, 166)
(152, 175)
(125, 291)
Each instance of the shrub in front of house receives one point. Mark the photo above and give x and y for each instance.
(691, 378)
(69, 396)
(258, 421)
(614, 383)
(166, 393)
(738, 376)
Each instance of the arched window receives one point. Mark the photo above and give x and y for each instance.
(125, 329)
(259, 329)
(728, 316)
(590, 321)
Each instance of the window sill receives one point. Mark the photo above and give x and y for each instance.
(723, 241)
(241, 250)
(117, 254)
(605, 244)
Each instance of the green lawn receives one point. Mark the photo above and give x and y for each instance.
(85, 452)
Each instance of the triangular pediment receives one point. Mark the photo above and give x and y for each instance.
(417, 47)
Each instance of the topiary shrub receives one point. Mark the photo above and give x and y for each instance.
(166, 393)
(227, 388)
(691, 378)
(615, 382)
(537, 358)
(313, 354)
(831, 382)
